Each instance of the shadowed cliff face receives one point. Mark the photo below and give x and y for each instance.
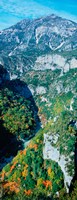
(75, 160)
(9, 146)
(73, 182)
(4, 75)
(11, 143)
(76, 156)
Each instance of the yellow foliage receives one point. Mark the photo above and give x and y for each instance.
(32, 174)
(27, 126)
(30, 145)
(49, 171)
(52, 175)
(37, 140)
(23, 107)
(25, 171)
(39, 181)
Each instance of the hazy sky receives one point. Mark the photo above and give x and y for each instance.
(12, 11)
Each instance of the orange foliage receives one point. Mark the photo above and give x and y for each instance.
(24, 152)
(28, 192)
(19, 179)
(13, 166)
(33, 146)
(15, 162)
(21, 152)
(12, 186)
(3, 175)
(47, 184)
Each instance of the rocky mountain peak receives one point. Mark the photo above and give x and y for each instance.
(22, 44)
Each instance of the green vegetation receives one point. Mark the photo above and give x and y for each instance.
(29, 175)
(29, 172)
(59, 91)
(16, 114)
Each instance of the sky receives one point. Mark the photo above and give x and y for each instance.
(12, 11)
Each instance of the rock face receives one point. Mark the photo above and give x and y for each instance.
(53, 62)
(38, 44)
(50, 152)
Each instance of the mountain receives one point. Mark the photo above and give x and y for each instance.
(41, 56)
(39, 44)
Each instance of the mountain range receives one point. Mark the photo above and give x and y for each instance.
(39, 44)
